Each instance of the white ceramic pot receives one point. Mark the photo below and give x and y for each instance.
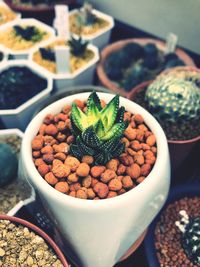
(101, 231)
(18, 15)
(20, 117)
(82, 76)
(102, 37)
(23, 53)
(4, 134)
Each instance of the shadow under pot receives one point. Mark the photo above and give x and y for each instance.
(182, 135)
(173, 237)
(23, 87)
(31, 238)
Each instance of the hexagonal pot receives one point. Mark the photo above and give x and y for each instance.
(104, 79)
(4, 134)
(101, 37)
(179, 149)
(81, 76)
(86, 224)
(23, 53)
(39, 232)
(19, 117)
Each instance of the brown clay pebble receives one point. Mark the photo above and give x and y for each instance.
(37, 144)
(86, 182)
(115, 185)
(47, 150)
(43, 169)
(48, 158)
(107, 175)
(51, 129)
(111, 194)
(96, 171)
(72, 162)
(50, 178)
(101, 189)
(127, 182)
(87, 159)
(81, 194)
(72, 178)
(134, 171)
(151, 140)
(61, 170)
(62, 187)
(112, 164)
(83, 170)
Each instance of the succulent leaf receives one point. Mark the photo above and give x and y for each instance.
(86, 150)
(120, 115)
(79, 117)
(109, 113)
(74, 150)
(116, 131)
(100, 129)
(89, 137)
(93, 108)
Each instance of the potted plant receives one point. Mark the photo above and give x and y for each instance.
(108, 193)
(91, 24)
(83, 59)
(32, 245)
(14, 191)
(7, 14)
(167, 241)
(179, 123)
(41, 10)
(26, 86)
(22, 36)
(127, 63)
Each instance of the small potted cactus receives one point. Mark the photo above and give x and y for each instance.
(90, 157)
(173, 237)
(174, 99)
(127, 63)
(94, 26)
(83, 59)
(14, 191)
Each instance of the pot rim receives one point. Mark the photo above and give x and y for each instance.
(143, 85)
(104, 79)
(161, 162)
(39, 232)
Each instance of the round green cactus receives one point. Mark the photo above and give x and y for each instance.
(172, 99)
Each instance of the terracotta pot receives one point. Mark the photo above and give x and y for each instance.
(179, 149)
(39, 232)
(102, 76)
(44, 13)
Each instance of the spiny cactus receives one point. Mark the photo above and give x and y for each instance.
(77, 46)
(98, 131)
(173, 99)
(190, 236)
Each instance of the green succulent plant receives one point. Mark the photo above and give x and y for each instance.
(98, 131)
(77, 46)
(88, 18)
(172, 99)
